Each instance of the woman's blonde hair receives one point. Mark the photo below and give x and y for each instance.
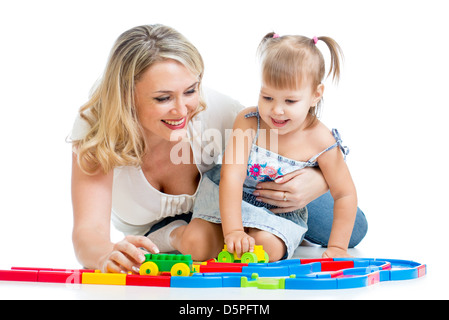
(115, 137)
(288, 61)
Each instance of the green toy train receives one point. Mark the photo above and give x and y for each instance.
(176, 264)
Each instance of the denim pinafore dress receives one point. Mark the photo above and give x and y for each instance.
(263, 165)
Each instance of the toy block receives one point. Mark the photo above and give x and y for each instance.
(336, 274)
(304, 269)
(352, 282)
(263, 283)
(59, 277)
(19, 275)
(103, 278)
(310, 283)
(336, 265)
(153, 281)
(53, 269)
(221, 267)
(176, 264)
(196, 282)
(305, 261)
(422, 270)
(36, 269)
(265, 270)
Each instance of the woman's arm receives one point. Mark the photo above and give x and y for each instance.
(92, 202)
(301, 187)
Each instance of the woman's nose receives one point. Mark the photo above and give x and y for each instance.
(180, 107)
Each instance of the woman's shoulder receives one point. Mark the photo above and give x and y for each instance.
(221, 110)
(80, 128)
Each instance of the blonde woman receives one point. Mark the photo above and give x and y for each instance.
(140, 147)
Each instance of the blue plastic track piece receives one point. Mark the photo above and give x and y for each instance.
(196, 282)
(305, 269)
(230, 279)
(267, 270)
(310, 283)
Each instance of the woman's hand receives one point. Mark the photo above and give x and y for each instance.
(127, 255)
(239, 242)
(292, 191)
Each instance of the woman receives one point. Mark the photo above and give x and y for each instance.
(140, 146)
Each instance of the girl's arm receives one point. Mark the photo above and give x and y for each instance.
(92, 202)
(233, 174)
(342, 189)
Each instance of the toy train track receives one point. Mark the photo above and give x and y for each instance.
(295, 274)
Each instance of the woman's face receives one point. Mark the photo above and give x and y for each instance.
(166, 96)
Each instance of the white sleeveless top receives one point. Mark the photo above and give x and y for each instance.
(136, 204)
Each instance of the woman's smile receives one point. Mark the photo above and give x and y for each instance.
(175, 124)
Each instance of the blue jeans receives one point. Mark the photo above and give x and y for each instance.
(320, 222)
(321, 212)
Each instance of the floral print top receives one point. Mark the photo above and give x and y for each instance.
(265, 165)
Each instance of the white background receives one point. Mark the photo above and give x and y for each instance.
(390, 108)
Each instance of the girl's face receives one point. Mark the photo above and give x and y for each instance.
(287, 110)
(166, 96)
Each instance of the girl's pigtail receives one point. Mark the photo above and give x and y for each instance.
(336, 57)
(263, 42)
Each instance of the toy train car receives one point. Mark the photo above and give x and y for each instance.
(258, 256)
(176, 264)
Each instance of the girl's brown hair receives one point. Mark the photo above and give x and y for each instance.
(291, 61)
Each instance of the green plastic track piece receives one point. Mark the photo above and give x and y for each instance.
(262, 283)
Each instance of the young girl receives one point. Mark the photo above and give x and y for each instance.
(279, 136)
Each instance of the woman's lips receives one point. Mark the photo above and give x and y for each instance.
(175, 124)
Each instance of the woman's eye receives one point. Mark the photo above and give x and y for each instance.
(191, 91)
(162, 99)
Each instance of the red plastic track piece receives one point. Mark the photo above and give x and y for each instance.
(59, 277)
(421, 270)
(222, 267)
(147, 281)
(336, 265)
(337, 274)
(306, 261)
(373, 278)
(19, 275)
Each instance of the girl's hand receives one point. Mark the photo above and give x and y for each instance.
(292, 191)
(127, 255)
(335, 252)
(239, 242)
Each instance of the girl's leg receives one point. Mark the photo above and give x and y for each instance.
(272, 245)
(201, 239)
(321, 212)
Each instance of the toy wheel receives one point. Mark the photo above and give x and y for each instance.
(180, 269)
(225, 256)
(249, 257)
(149, 269)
